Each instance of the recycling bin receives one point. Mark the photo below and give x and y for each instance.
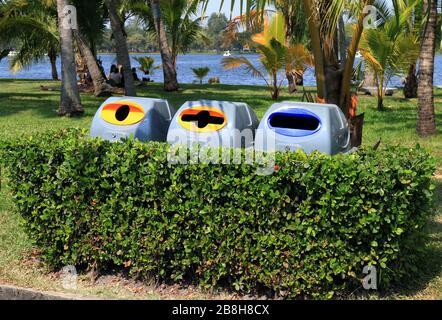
(143, 118)
(307, 126)
(214, 124)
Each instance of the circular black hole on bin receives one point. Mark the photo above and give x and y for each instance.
(122, 113)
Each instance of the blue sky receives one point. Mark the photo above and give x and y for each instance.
(213, 6)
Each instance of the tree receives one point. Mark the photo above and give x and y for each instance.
(295, 31)
(101, 88)
(70, 103)
(216, 25)
(170, 74)
(426, 124)
(275, 55)
(201, 73)
(121, 47)
(147, 65)
(390, 48)
(333, 76)
(32, 27)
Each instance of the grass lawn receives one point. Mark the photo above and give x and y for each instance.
(25, 109)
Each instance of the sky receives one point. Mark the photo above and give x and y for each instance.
(214, 5)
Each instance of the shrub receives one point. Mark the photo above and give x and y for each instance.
(307, 230)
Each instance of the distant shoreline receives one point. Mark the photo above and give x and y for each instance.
(187, 53)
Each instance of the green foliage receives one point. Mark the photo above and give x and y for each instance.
(147, 65)
(307, 230)
(216, 25)
(30, 27)
(200, 73)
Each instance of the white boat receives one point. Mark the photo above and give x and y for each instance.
(12, 53)
(227, 54)
(358, 55)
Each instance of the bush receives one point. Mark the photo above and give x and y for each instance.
(307, 230)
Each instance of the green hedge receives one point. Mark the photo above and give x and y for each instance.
(307, 230)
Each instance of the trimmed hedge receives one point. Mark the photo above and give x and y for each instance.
(307, 230)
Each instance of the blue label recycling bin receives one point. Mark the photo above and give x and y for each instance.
(143, 118)
(214, 124)
(308, 126)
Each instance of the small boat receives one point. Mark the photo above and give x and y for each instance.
(358, 55)
(227, 54)
(12, 53)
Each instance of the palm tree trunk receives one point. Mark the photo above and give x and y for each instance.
(70, 103)
(52, 54)
(411, 82)
(291, 82)
(121, 47)
(426, 124)
(315, 38)
(275, 94)
(101, 88)
(170, 75)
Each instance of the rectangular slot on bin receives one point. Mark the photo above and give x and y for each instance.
(294, 122)
(291, 121)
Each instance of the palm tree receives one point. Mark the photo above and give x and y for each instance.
(182, 24)
(91, 26)
(101, 88)
(70, 103)
(201, 73)
(390, 48)
(121, 47)
(274, 55)
(32, 27)
(295, 32)
(170, 74)
(4, 53)
(333, 76)
(147, 65)
(426, 124)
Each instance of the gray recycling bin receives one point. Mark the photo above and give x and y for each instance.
(308, 126)
(143, 118)
(214, 124)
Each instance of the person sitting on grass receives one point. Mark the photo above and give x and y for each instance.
(135, 75)
(115, 77)
(121, 72)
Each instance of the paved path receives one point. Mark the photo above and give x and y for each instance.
(8, 292)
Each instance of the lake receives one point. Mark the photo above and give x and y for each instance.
(185, 64)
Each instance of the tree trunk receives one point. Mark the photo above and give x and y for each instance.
(292, 82)
(275, 93)
(101, 88)
(342, 44)
(369, 76)
(121, 47)
(170, 74)
(426, 118)
(380, 103)
(52, 54)
(410, 87)
(333, 83)
(70, 103)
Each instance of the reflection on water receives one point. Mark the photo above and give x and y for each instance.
(185, 75)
